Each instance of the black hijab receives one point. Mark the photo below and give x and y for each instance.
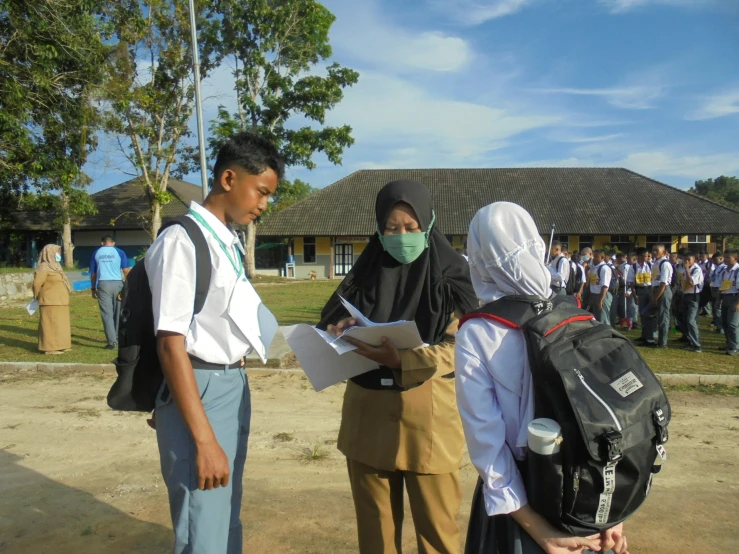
(427, 291)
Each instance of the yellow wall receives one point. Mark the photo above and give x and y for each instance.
(359, 247)
(298, 246)
(675, 244)
(323, 246)
(574, 243)
(642, 241)
(599, 241)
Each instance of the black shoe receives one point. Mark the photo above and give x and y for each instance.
(683, 339)
(111, 347)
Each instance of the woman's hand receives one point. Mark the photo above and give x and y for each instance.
(386, 354)
(341, 326)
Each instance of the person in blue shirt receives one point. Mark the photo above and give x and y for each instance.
(108, 266)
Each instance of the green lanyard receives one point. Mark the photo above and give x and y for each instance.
(237, 265)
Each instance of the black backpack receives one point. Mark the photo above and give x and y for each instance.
(137, 365)
(573, 283)
(611, 407)
(613, 287)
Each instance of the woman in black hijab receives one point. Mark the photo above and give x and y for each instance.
(400, 427)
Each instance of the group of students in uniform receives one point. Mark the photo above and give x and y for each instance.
(403, 425)
(654, 289)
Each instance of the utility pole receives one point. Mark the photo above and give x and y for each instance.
(198, 100)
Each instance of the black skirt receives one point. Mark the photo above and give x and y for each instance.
(497, 534)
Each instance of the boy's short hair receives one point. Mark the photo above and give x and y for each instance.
(599, 252)
(620, 255)
(611, 252)
(107, 238)
(718, 253)
(659, 246)
(556, 243)
(250, 151)
(731, 252)
(641, 251)
(689, 254)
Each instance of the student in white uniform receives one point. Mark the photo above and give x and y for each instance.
(658, 316)
(203, 409)
(692, 286)
(715, 277)
(495, 391)
(559, 267)
(642, 271)
(730, 301)
(600, 280)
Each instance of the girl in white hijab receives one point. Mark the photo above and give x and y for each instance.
(495, 392)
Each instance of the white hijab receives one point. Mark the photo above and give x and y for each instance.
(506, 254)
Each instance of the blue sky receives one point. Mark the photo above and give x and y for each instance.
(650, 85)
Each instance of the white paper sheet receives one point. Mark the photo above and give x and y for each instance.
(32, 306)
(328, 360)
(322, 363)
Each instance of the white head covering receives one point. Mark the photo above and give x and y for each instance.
(506, 254)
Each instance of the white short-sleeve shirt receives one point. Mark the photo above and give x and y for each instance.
(170, 265)
(600, 277)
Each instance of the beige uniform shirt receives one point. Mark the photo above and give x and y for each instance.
(416, 430)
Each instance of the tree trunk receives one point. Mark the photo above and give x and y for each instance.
(67, 246)
(156, 219)
(251, 239)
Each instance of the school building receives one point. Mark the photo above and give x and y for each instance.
(597, 207)
(122, 212)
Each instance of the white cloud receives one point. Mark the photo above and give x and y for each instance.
(690, 166)
(476, 12)
(362, 32)
(636, 97)
(718, 105)
(409, 125)
(580, 139)
(623, 6)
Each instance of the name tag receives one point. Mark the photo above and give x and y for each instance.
(643, 278)
(687, 285)
(655, 273)
(593, 278)
(387, 382)
(726, 284)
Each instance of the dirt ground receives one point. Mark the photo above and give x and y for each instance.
(78, 478)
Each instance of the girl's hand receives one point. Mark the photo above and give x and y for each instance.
(341, 326)
(386, 354)
(562, 543)
(614, 539)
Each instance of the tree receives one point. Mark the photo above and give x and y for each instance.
(52, 58)
(150, 94)
(724, 190)
(287, 194)
(275, 46)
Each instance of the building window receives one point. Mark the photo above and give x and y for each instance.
(586, 241)
(621, 243)
(564, 240)
(343, 258)
(697, 238)
(653, 240)
(309, 250)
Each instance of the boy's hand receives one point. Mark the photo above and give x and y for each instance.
(386, 354)
(211, 464)
(614, 539)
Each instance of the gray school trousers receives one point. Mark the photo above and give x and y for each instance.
(206, 522)
(604, 315)
(657, 319)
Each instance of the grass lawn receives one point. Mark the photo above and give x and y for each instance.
(299, 302)
(291, 302)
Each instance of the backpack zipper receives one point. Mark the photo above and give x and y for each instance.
(598, 398)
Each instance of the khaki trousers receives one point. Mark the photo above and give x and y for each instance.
(435, 501)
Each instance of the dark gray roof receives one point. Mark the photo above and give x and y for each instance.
(580, 201)
(128, 205)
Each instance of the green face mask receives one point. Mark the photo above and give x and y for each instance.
(407, 247)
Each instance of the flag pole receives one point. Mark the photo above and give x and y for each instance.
(198, 100)
(551, 240)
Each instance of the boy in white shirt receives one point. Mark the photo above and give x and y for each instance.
(600, 280)
(715, 277)
(658, 317)
(203, 409)
(559, 267)
(730, 301)
(692, 286)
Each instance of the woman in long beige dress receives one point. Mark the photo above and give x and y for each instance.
(51, 288)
